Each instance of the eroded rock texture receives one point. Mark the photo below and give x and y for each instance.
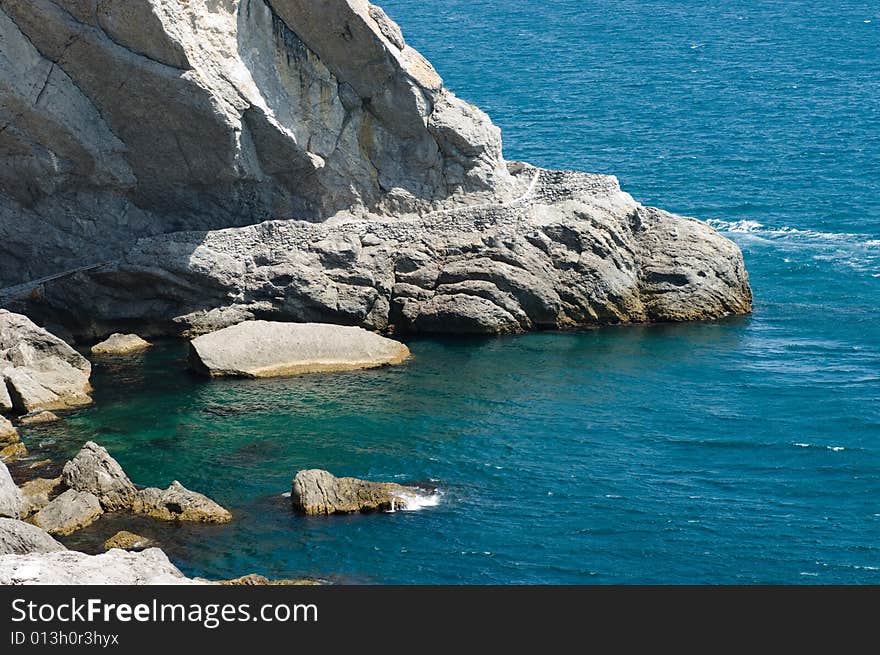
(210, 161)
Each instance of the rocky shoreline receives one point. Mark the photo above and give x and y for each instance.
(284, 194)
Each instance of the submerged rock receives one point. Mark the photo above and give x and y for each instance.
(168, 201)
(128, 541)
(260, 349)
(68, 513)
(37, 493)
(120, 344)
(177, 503)
(38, 418)
(115, 567)
(20, 538)
(93, 470)
(10, 495)
(320, 492)
(40, 371)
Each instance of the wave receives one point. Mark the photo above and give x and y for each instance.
(835, 449)
(860, 252)
(415, 501)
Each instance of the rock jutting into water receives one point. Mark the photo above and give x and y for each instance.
(120, 344)
(20, 538)
(302, 163)
(317, 492)
(39, 370)
(94, 471)
(259, 349)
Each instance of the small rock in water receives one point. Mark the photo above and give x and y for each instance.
(128, 541)
(318, 492)
(120, 344)
(255, 579)
(38, 417)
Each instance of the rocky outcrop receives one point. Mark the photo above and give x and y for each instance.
(39, 370)
(177, 503)
(20, 538)
(10, 496)
(317, 492)
(259, 349)
(164, 149)
(37, 493)
(127, 541)
(68, 513)
(13, 452)
(115, 567)
(94, 471)
(120, 344)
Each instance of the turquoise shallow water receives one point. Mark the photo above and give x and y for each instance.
(741, 451)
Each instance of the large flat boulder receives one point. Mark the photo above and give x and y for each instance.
(10, 495)
(115, 567)
(8, 433)
(317, 492)
(93, 470)
(20, 538)
(258, 349)
(39, 370)
(68, 513)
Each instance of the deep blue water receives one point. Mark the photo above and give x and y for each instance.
(745, 451)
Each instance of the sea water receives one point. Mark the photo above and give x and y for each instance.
(740, 451)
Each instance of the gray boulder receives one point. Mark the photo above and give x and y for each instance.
(265, 349)
(93, 470)
(177, 503)
(115, 567)
(120, 344)
(10, 496)
(20, 538)
(317, 492)
(68, 513)
(39, 370)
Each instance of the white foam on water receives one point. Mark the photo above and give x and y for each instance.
(835, 449)
(413, 502)
(286, 494)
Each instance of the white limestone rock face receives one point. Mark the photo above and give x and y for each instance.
(68, 513)
(39, 370)
(115, 567)
(140, 117)
(259, 349)
(296, 161)
(95, 472)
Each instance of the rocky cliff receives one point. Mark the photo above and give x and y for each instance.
(181, 166)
